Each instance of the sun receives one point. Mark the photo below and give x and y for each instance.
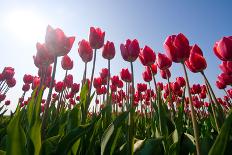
(25, 25)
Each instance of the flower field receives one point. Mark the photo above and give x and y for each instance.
(110, 113)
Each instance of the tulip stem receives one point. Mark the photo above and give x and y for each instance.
(92, 74)
(156, 90)
(193, 115)
(108, 83)
(131, 116)
(84, 75)
(60, 99)
(170, 98)
(44, 121)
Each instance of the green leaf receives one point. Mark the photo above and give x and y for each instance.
(16, 139)
(220, 143)
(35, 130)
(67, 142)
(151, 147)
(49, 145)
(111, 129)
(2, 152)
(30, 107)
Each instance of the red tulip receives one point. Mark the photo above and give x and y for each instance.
(196, 61)
(59, 86)
(26, 87)
(57, 43)
(147, 56)
(223, 49)
(11, 82)
(165, 74)
(28, 78)
(8, 73)
(85, 51)
(163, 61)
(181, 81)
(97, 82)
(230, 93)
(115, 80)
(7, 102)
(108, 50)
(113, 88)
(120, 84)
(141, 87)
(175, 86)
(154, 68)
(147, 76)
(66, 63)
(75, 88)
(36, 82)
(130, 50)
(196, 88)
(160, 85)
(96, 38)
(125, 75)
(220, 85)
(68, 80)
(2, 97)
(43, 55)
(177, 47)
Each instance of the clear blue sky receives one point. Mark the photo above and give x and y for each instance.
(203, 22)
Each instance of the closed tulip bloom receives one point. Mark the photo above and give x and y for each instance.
(125, 75)
(160, 85)
(57, 42)
(141, 87)
(181, 81)
(165, 74)
(177, 47)
(68, 80)
(75, 88)
(36, 82)
(8, 73)
(114, 80)
(96, 38)
(44, 55)
(108, 50)
(66, 63)
(85, 51)
(97, 82)
(7, 102)
(120, 84)
(147, 56)
(220, 85)
(175, 86)
(130, 50)
(2, 97)
(28, 78)
(154, 68)
(26, 87)
(223, 49)
(59, 86)
(147, 76)
(163, 61)
(113, 88)
(196, 59)
(11, 82)
(196, 88)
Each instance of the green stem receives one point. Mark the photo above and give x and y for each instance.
(131, 116)
(45, 117)
(170, 97)
(193, 115)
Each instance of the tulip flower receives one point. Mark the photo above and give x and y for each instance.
(125, 75)
(223, 49)
(147, 56)
(220, 85)
(177, 47)
(130, 50)
(181, 81)
(108, 50)
(28, 78)
(97, 82)
(96, 38)
(66, 63)
(196, 61)
(163, 61)
(57, 42)
(147, 76)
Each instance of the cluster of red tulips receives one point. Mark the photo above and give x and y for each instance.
(118, 92)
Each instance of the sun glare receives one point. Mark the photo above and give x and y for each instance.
(26, 25)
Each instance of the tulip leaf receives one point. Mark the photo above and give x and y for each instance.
(220, 143)
(111, 129)
(16, 138)
(67, 141)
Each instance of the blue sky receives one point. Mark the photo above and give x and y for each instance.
(203, 22)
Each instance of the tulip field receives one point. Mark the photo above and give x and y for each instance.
(108, 113)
